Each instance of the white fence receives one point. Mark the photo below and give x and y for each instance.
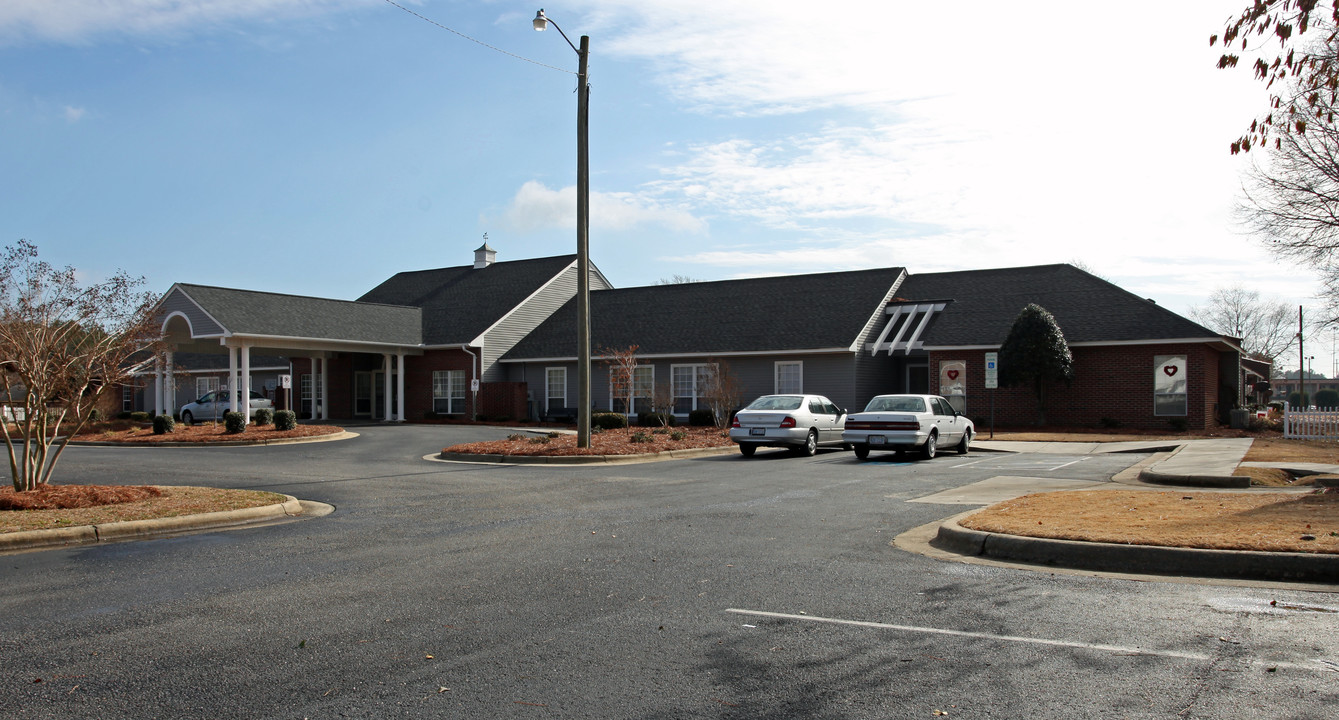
(1310, 424)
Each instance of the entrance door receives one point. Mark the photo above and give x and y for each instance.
(918, 379)
(370, 393)
(362, 394)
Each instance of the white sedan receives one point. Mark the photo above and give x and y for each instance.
(799, 422)
(907, 422)
(211, 406)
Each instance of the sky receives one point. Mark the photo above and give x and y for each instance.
(317, 147)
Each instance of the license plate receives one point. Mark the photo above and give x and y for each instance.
(875, 439)
(757, 431)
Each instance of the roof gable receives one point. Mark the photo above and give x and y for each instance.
(265, 314)
(460, 303)
(821, 311)
(1088, 309)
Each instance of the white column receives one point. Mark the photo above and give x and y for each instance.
(157, 386)
(170, 397)
(399, 387)
(325, 387)
(386, 385)
(246, 382)
(232, 379)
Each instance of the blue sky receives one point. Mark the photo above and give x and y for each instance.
(319, 146)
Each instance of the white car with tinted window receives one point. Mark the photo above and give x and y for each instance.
(799, 422)
(211, 406)
(908, 422)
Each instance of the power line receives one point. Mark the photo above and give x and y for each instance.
(479, 42)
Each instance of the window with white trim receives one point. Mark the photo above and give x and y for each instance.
(305, 392)
(689, 383)
(643, 386)
(555, 387)
(789, 377)
(205, 385)
(448, 392)
(1169, 385)
(128, 398)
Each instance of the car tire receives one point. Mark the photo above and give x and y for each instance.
(747, 449)
(965, 443)
(810, 446)
(930, 447)
(861, 451)
(187, 418)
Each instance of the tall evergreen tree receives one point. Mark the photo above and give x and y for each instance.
(1035, 353)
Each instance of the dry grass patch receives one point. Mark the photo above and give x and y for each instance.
(609, 442)
(168, 502)
(1274, 477)
(1277, 449)
(1222, 521)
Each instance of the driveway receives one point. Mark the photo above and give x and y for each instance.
(715, 587)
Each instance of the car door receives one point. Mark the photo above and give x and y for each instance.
(838, 420)
(950, 428)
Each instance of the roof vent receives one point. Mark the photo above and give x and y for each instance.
(484, 256)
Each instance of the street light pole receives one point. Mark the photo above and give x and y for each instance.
(583, 230)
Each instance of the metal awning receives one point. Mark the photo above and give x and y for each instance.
(906, 323)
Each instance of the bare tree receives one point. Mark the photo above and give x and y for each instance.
(1294, 55)
(62, 346)
(677, 279)
(722, 392)
(1266, 326)
(622, 364)
(662, 403)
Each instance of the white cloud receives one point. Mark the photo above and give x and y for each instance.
(537, 206)
(79, 20)
(74, 114)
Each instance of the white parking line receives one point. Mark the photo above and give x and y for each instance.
(1319, 665)
(974, 462)
(1057, 467)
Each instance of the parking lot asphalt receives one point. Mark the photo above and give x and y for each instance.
(711, 587)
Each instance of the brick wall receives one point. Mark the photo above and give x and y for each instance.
(1113, 382)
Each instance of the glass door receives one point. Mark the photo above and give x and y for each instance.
(362, 394)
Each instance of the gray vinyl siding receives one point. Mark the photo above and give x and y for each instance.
(527, 316)
(178, 301)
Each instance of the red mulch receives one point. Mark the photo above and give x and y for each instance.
(65, 497)
(204, 433)
(609, 442)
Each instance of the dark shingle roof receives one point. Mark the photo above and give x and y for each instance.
(249, 312)
(459, 303)
(1087, 308)
(795, 312)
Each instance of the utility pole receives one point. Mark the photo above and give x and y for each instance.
(1301, 363)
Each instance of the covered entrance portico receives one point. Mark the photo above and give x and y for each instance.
(239, 323)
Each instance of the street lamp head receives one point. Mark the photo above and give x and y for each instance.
(541, 22)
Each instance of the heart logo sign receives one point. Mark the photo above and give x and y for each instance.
(1170, 370)
(952, 374)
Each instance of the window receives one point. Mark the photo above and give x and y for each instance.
(789, 377)
(1169, 385)
(555, 387)
(305, 383)
(643, 385)
(205, 385)
(448, 392)
(953, 383)
(127, 398)
(689, 383)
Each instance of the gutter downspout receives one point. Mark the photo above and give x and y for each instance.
(474, 400)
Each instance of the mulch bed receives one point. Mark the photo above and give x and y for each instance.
(204, 433)
(609, 442)
(66, 497)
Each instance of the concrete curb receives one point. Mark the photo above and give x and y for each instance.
(1142, 559)
(130, 529)
(346, 435)
(585, 459)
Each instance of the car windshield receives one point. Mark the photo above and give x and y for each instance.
(776, 402)
(896, 404)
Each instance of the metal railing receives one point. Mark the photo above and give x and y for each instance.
(1311, 424)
